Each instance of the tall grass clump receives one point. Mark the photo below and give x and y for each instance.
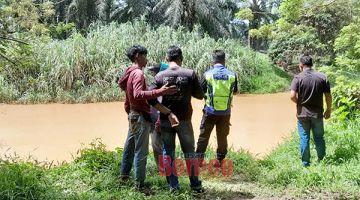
(85, 68)
(94, 174)
(337, 174)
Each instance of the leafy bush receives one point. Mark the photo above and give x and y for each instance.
(96, 158)
(20, 180)
(346, 98)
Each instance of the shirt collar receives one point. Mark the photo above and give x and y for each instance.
(307, 69)
(218, 65)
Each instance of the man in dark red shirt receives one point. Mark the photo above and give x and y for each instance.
(138, 109)
(307, 91)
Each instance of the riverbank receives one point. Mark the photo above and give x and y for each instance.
(280, 175)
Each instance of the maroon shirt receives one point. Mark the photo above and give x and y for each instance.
(133, 83)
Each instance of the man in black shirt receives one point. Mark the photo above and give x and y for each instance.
(179, 103)
(307, 91)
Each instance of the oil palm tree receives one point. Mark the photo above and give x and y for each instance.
(82, 13)
(210, 14)
(128, 10)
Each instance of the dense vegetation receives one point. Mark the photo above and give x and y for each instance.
(85, 68)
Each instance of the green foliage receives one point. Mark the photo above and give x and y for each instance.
(21, 21)
(337, 173)
(287, 46)
(346, 97)
(291, 9)
(94, 173)
(211, 16)
(82, 13)
(344, 73)
(261, 14)
(62, 30)
(85, 68)
(20, 180)
(348, 48)
(26, 16)
(96, 157)
(245, 14)
(311, 26)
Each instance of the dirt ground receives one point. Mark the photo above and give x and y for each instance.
(56, 131)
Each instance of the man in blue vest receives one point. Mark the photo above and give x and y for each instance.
(219, 84)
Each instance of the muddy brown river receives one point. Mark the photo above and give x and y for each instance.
(56, 131)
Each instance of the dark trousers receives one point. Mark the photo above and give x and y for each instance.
(185, 134)
(208, 122)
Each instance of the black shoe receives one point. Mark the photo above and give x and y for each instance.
(147, 191)
(198, 189)
(124, 179)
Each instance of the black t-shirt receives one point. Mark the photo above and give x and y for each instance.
(310, 86)
(188, 85)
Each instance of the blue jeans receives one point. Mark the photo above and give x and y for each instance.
(185, 133)
(317, 127)
(136, 148)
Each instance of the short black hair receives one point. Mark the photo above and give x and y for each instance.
(306, 60)
(173, 53)
(218, 56)
(136, 49)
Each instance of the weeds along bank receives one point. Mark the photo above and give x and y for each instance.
(85, 68)
(94, 174)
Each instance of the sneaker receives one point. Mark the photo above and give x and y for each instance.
(147, 191)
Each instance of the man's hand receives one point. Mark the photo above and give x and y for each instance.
(327, 114)
(166, 90)
(174, 121)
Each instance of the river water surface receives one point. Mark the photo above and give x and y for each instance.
(56, 131)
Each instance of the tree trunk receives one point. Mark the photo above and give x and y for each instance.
(188, 14)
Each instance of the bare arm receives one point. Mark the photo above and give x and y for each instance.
(293, 96)
(328, 99)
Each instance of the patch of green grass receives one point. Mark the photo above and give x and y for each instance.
(338, 173)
